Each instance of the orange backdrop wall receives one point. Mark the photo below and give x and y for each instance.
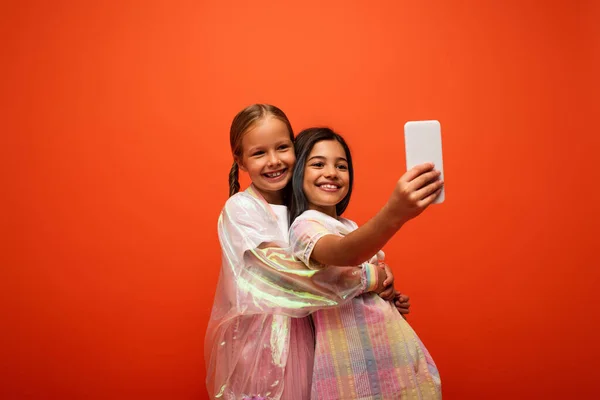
(115, 163)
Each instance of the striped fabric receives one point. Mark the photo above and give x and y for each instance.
(364, 349)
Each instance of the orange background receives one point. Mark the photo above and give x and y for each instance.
(115, 163)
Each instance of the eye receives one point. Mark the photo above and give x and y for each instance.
(283, 147)
(342, 167)
(258, 153)
(317, 164)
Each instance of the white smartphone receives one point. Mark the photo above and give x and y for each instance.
(423, 144)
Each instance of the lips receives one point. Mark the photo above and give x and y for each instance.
(275, 175)
(328, 187)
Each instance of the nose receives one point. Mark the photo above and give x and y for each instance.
(273, 159)
(330, 171)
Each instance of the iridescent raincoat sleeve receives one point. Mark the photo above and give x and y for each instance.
(260, 287)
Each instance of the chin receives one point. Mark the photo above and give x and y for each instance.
(273, 187)
(326, 204)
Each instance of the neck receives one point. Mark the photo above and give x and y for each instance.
(271, 197)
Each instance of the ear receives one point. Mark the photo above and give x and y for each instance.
(240, 164)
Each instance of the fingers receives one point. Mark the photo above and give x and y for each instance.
(389, 280)
(416, 171)
(402, 298)
(385, 297)
(405, 306)
(424, 186)
(431, 198)
(388, 294)
(423, 180)
(403, 310)
(428, 187)
(402, 303)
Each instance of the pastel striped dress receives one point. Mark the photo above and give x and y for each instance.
(364, 349)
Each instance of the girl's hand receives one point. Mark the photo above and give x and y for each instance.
(388, 293)
(402, 303)
(386, 282)
(415, 191)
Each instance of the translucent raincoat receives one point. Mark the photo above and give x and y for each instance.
(261, 289)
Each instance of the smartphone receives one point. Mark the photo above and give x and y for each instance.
(423, 144)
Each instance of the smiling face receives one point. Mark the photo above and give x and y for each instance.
(326, 177)
(268, 157)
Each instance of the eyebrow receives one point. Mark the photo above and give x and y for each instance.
(263, 146)
(323, 158)
(255, 148)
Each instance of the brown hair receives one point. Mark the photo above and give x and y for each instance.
(242, 122)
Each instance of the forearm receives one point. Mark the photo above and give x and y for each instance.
(274, 282)
(360, 244)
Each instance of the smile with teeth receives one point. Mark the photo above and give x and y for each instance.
(328, 186)
(275, 174)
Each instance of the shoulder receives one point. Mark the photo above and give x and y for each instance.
(312, 220)
(248, 212)
(242, 201)
(311, 215)
(348, 223)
